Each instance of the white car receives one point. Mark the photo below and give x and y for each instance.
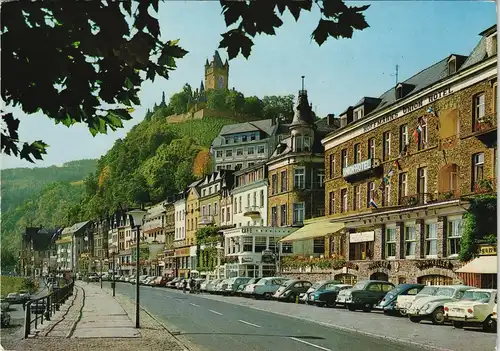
(432, 307)
(404, 302)
(495, 312)
(474, 309)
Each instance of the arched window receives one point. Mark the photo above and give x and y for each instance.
(448, 179)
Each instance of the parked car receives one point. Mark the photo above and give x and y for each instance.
(318, 286)
(171, 284)
(291, 289)
(494, 313)
(474, 309)
(234, 283)
(210, 287)
(150, 280)
(203, 286)
(404, 302)
(5, 318)
(93, 277)
(160, 281)
(142, 278)
(327, 295)
(25, 296)
(364, 295)
(388, 303)
(242, 289)
(14, 298)
(220, 288)
(266, 287)
(432, 307)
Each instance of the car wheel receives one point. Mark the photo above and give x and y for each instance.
(319, 304)
(267, 296)
(458, 325)
(351, 307)
(402, 313)
(489, 325)
(415, 319)
(291, 298)
(367, 308)
(438, 316)
(331, 304)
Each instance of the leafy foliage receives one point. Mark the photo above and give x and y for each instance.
(294, 262)
(202, 164)
(101, 52)
(479, 225)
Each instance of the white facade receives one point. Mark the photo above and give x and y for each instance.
(250, 197)
(180, 220)
(154, 223)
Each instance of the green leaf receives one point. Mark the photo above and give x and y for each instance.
(128, 83)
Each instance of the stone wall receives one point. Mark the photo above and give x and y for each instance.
(311, 276)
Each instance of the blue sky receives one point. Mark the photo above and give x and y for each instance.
(413, 35)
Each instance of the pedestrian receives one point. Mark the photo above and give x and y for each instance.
(184, 285)
(191, 285)
(198, 286)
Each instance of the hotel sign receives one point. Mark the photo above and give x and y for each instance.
(487, 250)
(357, 168)
(414, 105)
(361, 237)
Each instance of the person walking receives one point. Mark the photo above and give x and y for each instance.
(184, 285)
(191, 286)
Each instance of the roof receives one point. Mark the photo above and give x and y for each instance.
(477, 55)
(264, 125)
(302, 111)
(217, 60)
(75, 228)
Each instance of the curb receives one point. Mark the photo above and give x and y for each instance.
(73, 327)
(53, 325)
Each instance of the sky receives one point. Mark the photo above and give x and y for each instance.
(410, 34)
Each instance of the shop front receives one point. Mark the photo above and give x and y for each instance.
(181, 259)
(482, 271)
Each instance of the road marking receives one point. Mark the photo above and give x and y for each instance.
(180, 300)
(253, 325)
(194, 304)
(311, 344)
(220, 314)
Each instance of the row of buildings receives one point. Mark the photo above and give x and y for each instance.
(379, 191)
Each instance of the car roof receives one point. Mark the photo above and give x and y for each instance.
(483, 290)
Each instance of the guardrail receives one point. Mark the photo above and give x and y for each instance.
(44, 307)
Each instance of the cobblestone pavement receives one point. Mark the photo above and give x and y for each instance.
(154, 336)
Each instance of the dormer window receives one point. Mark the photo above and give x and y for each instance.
(399, 92)
(343, 121)
(452, 65)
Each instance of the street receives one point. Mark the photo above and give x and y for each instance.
(226, 323)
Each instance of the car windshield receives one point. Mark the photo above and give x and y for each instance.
(445, 292)
(429, 290)
(359, 286)
(333, 288)
(481, 296)
(317, 285)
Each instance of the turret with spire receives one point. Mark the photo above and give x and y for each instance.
(303, 115)
(163, 101)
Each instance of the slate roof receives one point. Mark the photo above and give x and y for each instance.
(477, 55)
(264, 125)
(217, 60)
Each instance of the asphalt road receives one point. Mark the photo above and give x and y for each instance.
(218, 325)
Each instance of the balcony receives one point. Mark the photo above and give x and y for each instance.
(180, 243)
(206, 220)
(427, 198)
(485, 130)
(252, 212)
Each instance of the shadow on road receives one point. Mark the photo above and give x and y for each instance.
(309, 337)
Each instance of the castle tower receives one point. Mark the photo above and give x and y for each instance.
(216, 73)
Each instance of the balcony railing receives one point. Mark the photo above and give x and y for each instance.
(252, 211)
(427, 198)
(205, 220)
(180, 243)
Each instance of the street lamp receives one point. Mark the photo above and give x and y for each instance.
(113, 253)
(137, 217)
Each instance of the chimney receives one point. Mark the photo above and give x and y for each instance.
(330, 119)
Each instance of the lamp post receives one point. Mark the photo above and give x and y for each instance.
(137, 217)
(100, 277)
(113, 283)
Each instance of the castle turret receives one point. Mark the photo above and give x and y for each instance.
(216, 73)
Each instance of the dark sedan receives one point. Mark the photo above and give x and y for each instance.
(327, 296)
(291, 289)
(388, 303)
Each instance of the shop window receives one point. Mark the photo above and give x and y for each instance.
(477, 168)
(319, 245)
(430, 239)
(390, 242)
(435, 280)
(478, 111)
(346, 278)
(360, 251)
(448, 178)
(454, 236)
(260, 244)
(247, 244)
(448, 123)
(410, 241)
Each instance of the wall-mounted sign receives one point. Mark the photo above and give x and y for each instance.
(361, 237)
(246, 259)
(357, 168)
(380, 264)
(182, 252)
(487, 250)
(426, 264)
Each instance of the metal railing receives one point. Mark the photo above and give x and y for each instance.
(44, 307)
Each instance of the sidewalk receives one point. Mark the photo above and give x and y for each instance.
(95, 320)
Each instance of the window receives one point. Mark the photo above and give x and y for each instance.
(386, 151)
(299, 178)
(403, 137)
(244, 138)
(298, 213)
(319, 245)
(229, 153)
(219, 153)
(452, 66)
(344, 158)
(479, 110)
(254, 198)
(421, 180)
(274, 180)
(390, 242)
(248, 200)
(399, 93)
(332, 165)
(370, 188)
(247, 244)
(226, 141)
(356, 200)
(410, 240)
(235, 206)
(250, 150)
(371, 148)
(357, 153)
(222, 215)
(331, 195)
(239, 152)
(477, 168)
(239, 204)
(260, 243)
(495, 97)
(386, 196)
(238, 166)
(228, 214)
(274, 216)
(403, 187)
(422, 137)
(260, 149)
(250, 164)
(431, 239)
(298, 143)
(252, 137)
(454, 236)
(321, 177)
(216, 208)
(283, 181)
(307, 143)
(228, 166)
(495, 162)
(235, 139)
(283, 216)
(343, 200)
(360, 250)
(262, 198)
(343, 121)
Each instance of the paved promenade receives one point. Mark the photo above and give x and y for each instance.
(95, 320)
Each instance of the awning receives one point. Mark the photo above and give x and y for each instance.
(481, 265)
(314, 230)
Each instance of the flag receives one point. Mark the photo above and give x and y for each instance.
(430, 110)
(397, 165)
(390, 173)
(404, 151)
(373, 204)
(419, 128)
(415, 135)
